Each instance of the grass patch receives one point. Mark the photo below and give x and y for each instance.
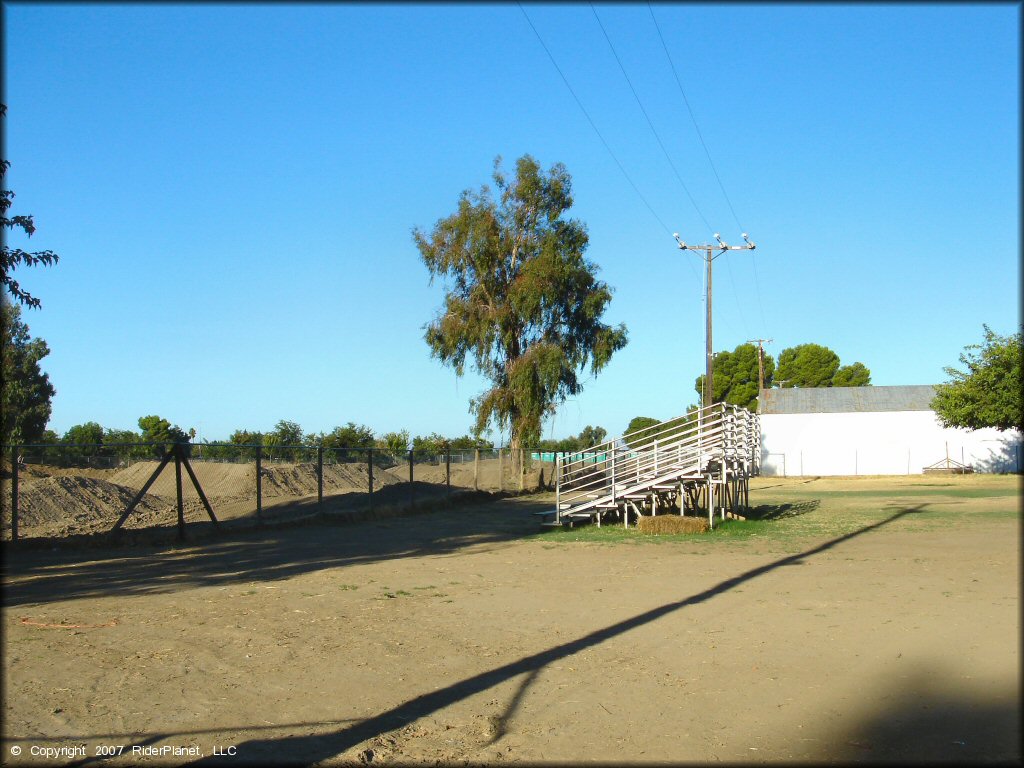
(788, 510)
(610, 533)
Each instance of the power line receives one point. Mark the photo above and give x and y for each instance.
(757, 292)
(736, 294)
(707, 153)
(648, 118)
(590, 120)
(693, 118)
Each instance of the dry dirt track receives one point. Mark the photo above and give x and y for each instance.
(458, 636)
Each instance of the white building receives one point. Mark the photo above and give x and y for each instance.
(871, 431)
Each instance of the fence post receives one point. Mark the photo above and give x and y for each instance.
(259, 483)
(476, 469)
(320, 478)
(15, 460)
(412, 488)
(369, 468)
(522, 466)
(501, 473)
(447, 472)
(177, 488)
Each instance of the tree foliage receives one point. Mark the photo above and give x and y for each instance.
(161, 431)
(522, 302)
(12, 258)
(271, 445)
(395, 442)
(855, 375)
(736, 376)
(812, 365)
(988, 392)
(592, 436)
(288, 433)
(639, 429)
(588, 438)
(89, 433)
(437, 443)
(27, 391)
(340, 440)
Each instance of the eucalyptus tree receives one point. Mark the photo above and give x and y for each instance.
(11, 258)
(26, 393)
(522, 303)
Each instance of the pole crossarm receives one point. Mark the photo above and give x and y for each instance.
(709, 249)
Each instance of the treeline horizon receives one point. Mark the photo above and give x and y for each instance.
(155, 430)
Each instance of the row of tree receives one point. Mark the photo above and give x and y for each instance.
(737, 373)
(286, 441)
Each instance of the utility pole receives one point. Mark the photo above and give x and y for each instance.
(708, 254)
(760, 360)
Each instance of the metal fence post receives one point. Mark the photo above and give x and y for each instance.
(15, 460)
(448, 471)
(501, 473)
(259, 483)
(177, 488)
(412, 487)
(369, 467)
(320, 478)
(522, 466)
(476, 469)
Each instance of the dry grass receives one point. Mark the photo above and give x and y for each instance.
(672, 524)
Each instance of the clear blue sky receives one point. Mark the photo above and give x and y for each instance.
(231, 189)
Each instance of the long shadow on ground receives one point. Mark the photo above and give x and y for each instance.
(782, 511)
(41, 576)
(312, 748)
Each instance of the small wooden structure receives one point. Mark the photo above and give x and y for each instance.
(948, 466)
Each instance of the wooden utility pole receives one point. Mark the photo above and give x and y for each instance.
(709, 250)
(760, 360)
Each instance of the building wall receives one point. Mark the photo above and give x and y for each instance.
(888, 443)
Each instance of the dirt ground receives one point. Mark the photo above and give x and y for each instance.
(868, 620)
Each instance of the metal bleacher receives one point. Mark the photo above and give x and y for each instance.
(703, 459)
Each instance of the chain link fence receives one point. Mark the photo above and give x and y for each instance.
(71, 490)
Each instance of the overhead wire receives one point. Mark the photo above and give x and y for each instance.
(650, 124)
(707, 153)
(668, 157)
(693, 117)
(757, 292)
(591, 121)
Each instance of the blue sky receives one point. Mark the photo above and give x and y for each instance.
(232, 188)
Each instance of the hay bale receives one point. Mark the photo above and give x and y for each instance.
(672, 524)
